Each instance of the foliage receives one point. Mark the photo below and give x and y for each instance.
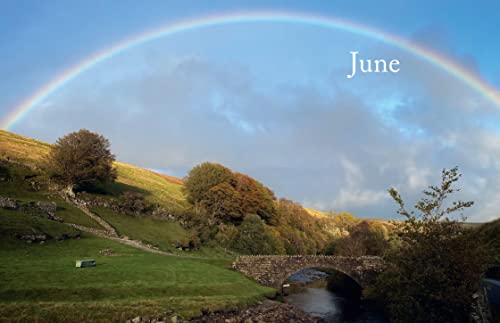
(254, 238)
(255, 198)
(223, 201)
(438, 265)
(490, 233)
(133, 203)
(202, 178)
(299, 232)
(82, 158)
(228, 196)
(363, 239)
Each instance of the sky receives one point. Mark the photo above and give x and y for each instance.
(270, 99)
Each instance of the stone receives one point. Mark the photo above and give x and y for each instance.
(8, 203)
(174, 319)
(136, 319)
(106, 252)
(273, 270)
(33, 237)
(48, 207)
(268, 311)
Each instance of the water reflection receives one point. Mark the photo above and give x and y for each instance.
(329, 305)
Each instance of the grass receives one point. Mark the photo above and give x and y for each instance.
(160, 233)
(15, 222)
(164, 190)
(17, 188)
(40, 283)
(163, 234)
(23, 149)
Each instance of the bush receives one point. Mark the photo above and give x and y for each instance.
(133, 203)
(437, 264)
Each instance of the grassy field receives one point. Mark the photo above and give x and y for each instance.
(40, 282)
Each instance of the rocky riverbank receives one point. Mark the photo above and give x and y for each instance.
(266, 311)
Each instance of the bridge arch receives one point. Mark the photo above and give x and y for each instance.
(272, 271)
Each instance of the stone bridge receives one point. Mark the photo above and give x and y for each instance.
(272, 271)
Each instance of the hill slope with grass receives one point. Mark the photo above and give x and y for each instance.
(23, 161)
(39, 247)
(158, 188)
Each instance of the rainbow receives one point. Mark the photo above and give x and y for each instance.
(458, 71)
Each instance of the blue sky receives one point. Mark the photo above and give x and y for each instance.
(270, 99)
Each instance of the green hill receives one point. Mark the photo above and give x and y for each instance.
(38, 278)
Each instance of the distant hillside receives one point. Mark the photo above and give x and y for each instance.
(491, 232)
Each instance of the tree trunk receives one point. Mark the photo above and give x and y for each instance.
(69, 191)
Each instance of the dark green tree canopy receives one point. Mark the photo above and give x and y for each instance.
(81, 158)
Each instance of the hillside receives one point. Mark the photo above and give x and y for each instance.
(38, 248)
(158, 188)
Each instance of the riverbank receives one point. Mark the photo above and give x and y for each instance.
(266, 311)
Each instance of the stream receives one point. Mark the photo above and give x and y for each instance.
(313, 297)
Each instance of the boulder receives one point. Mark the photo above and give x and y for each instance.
(106, 252)
(8, 203)
(48, 207)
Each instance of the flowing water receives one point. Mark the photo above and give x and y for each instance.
(329, 305)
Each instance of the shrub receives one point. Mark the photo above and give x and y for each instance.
(437, 264)
(133, 203)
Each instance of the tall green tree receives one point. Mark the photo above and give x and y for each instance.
(82, 158)
(438, 264)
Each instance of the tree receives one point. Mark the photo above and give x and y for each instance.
(438, 264)
(223, 202)
(82, 158)
(255, 198)
(364, 239)
(203, 177)
(254, 238)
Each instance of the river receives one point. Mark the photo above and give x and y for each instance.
(314, 298)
